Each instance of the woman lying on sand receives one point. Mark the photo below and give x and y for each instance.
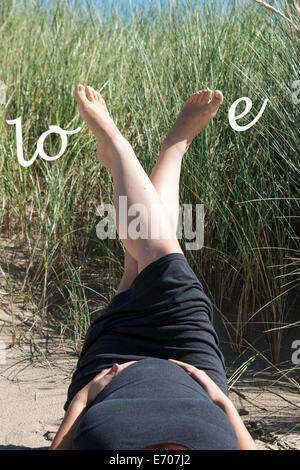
(150, 374)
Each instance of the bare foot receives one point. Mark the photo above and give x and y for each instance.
(94, 112)
(196, 113)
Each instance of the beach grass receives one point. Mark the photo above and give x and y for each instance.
(146, 67)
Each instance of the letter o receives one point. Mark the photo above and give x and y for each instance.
(40, 143)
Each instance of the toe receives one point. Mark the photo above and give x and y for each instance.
(94, 93)
(218, 95)
(206, 96)
(79, 93)
(217, 100)
(89, 93)
(198, 97)
(191, 98)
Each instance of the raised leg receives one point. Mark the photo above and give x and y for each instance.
(195, 115)
(156, 199)
(130, 183)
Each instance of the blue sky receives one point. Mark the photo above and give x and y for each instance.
(125, 7)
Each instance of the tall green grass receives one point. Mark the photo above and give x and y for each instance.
(146, 68)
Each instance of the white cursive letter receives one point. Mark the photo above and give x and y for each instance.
(40, 143)
(233, 118)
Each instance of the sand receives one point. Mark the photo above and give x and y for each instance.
(34, 377)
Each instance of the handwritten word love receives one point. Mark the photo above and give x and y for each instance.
(63, 134)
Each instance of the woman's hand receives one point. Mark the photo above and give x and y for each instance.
(88, 393)
(82, 400)
(219, 398)
(212, 389)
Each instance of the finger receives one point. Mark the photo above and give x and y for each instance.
(178, 362)
(197, 374)
(182, 364)
(112, 372)
(104, 372)
(101, 374)
(118, 368)
(114, 369)
(191, 370)
(126, 364)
